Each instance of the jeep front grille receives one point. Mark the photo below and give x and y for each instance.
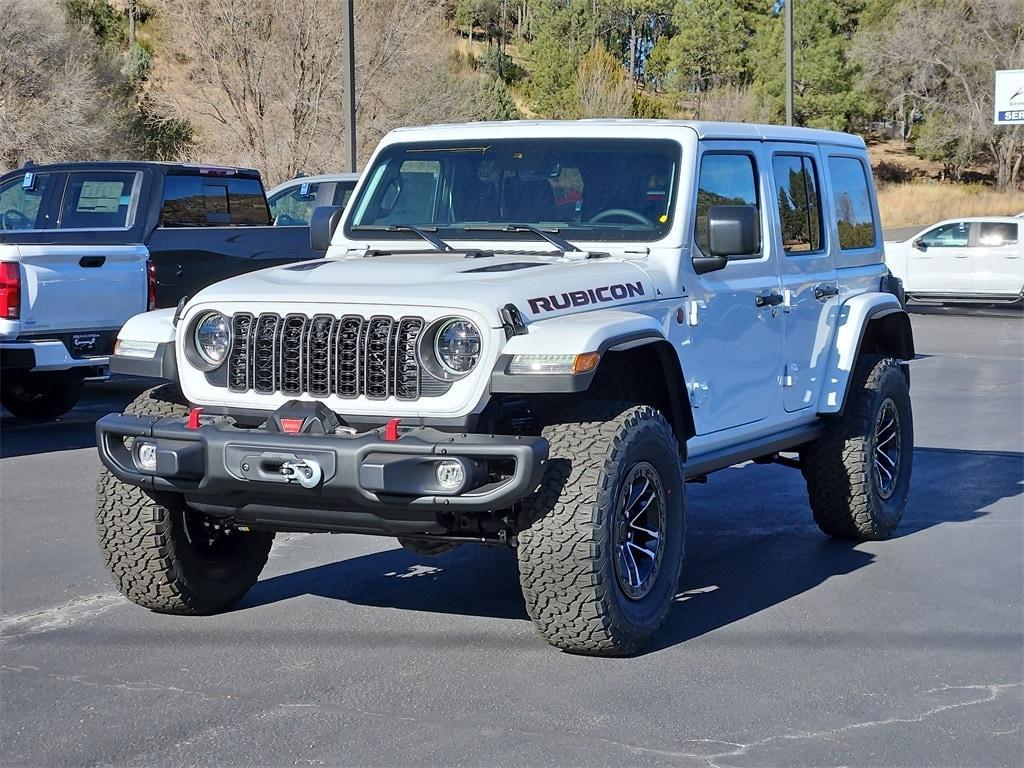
(324, 355)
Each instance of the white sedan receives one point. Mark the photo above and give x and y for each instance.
(979, 258)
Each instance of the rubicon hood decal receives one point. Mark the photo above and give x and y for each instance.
(582, 298)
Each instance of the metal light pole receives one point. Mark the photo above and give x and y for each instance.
(789, 61)
(349, 69)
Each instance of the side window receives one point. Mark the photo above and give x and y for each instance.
(343, 192)
(97, 200)
(203, 201)
(725, 179)
(410, 197)
(796, 183)
(853, 202)
(20, 202)
(294, 206)
(996, 233)
(955, 235)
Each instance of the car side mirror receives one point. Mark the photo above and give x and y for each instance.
(920, 244)
(734, 232)
(322, 224)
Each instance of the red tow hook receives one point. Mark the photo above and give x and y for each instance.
(391, 430)
(193, 418)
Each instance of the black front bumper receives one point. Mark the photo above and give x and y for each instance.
(369, 484)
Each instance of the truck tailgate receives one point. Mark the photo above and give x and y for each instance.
(79, 287)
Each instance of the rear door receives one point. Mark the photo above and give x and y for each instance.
(998, 258)
(79, 286)
(807, 265)
(940, 260)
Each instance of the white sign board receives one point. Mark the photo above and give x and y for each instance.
(1009, 101)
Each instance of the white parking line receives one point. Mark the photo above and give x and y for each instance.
(60, 616)
(82, 609)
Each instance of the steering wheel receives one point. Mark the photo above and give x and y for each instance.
(15, 219)
(624, 212)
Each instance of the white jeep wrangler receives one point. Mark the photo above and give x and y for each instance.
(531, 334)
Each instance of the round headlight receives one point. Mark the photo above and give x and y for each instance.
(213, 338)
(457, 346)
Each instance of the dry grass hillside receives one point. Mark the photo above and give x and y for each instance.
(911, 190)
(926, 202)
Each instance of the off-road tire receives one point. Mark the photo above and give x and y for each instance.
(146, 544)
(41, 395)
(838, 467)
(566, 551)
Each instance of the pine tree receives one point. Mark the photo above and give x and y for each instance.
(824, 78)
(562, 33)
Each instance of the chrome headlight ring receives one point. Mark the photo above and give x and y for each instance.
(209, 340)
(451, 348)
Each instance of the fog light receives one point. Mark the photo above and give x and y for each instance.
(450, 474)
(145, 457)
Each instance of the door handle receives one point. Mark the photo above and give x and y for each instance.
(825, 291)
(92, 262)
(771, 299)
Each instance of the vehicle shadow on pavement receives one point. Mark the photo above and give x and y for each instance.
(74, 430)
(730, 574)
(752, 545)
(470, 580)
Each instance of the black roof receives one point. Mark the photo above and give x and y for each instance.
(133, 165)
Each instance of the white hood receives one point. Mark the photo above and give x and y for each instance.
(539, 286)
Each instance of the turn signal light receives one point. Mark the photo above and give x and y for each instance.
(554, 364)
(10, 290)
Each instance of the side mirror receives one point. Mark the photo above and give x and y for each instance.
(734, 231)
(322, 224)
(920, 245)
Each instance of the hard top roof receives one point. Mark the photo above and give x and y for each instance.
(323, 177)
(131, 165)
(624, 128)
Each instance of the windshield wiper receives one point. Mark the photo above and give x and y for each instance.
(551, 235)
(423, 232)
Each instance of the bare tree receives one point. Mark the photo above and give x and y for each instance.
(53, 105)
(264, 83)
(939, 57)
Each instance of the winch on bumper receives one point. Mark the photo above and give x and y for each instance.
(314, 475)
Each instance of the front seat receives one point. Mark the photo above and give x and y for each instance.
(530, 202)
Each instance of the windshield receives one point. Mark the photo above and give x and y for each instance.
(587, 189)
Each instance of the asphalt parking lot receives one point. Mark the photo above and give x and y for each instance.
(785, 648)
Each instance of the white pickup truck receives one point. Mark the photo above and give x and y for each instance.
(61, 304)
(978, 259)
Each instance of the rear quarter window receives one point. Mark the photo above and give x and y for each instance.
(852, 199)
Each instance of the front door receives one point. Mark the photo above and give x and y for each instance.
(732, 356)
(939, 261)
(809, 284)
